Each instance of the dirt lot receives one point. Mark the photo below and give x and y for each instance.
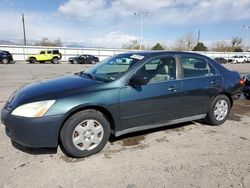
(185, 155)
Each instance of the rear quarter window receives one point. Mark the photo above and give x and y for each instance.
(55, 51)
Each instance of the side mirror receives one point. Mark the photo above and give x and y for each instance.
(78, 73)
(135, 81)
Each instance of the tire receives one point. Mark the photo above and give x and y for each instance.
(55, 60)
(85, 133)
(5, 61)
(74, 62)
(246, 95)
(32, 60)
(222, 105)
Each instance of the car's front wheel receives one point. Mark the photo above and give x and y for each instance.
(5, 61)
(85, 133)
(219, 110)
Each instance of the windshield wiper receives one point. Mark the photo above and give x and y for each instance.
(88, 75)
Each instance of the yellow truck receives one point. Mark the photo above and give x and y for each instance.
(46, 55)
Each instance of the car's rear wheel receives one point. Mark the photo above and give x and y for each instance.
(219, 110)
(85, 133)
(55, 60)
(5, 61)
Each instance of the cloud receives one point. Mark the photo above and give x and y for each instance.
(111, 23)
(162, 11)
(110, 40)
(39, 26)
(79, 8)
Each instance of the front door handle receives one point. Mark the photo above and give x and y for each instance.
(172, 88)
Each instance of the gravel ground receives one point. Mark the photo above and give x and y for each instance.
(184, 155)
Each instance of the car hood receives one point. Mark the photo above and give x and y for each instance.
(51, 89)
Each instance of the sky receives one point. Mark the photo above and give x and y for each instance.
(111, 23)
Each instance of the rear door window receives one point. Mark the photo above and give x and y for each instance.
(196, 67)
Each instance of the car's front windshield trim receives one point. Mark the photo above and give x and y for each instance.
(114, 67)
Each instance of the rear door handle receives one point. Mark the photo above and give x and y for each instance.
(172, 88)
(213, 82)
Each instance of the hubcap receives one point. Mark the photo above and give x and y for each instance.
(5, 61)
(87, 135)
(220, 110)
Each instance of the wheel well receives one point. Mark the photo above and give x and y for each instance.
(104, 111)
(32, 58)
(229, 97)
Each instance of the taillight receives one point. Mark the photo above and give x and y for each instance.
(242, 81)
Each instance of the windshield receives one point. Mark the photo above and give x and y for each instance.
(112, 68)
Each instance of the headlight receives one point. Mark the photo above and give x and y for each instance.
(35, 109)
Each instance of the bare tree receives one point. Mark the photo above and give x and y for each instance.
(47, 42)
(236, 42)
(222, 46)
(132, 45)
(185, 43)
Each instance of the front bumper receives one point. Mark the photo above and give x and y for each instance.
(32, 132)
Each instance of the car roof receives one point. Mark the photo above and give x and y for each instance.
(147, 53)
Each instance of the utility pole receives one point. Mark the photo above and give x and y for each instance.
(141, 19)
(245, 41)
(199, 33)
(24, 34)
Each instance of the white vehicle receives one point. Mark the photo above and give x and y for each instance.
(238, 59)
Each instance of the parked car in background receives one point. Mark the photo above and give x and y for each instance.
(238, 59)
(5, 57)
(220, 60)
(246, 87)
(248, 59)
(84, 59)
(46, 55)
(126, 93)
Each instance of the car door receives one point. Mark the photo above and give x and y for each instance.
(81, 59)
(155, 102)
(200, 83)
(49, 55)
(42, 56)
(87, 59)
